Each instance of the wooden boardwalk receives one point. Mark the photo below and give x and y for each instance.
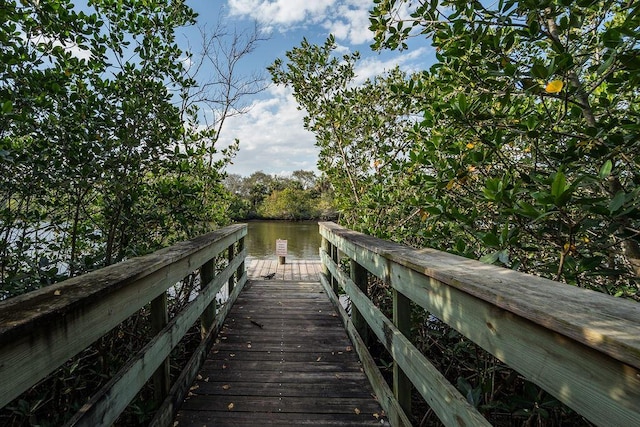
(283, 358)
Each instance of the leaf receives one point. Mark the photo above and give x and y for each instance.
(57, 292)
(605, 170)
(357, 411)
(7, 107)
(559, 184)
(226, 387)
(490, 258)
(230, 406)
(617, 201)
(554, 86)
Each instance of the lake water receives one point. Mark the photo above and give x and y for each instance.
(303, 238)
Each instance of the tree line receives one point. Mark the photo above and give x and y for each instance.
(301, 196)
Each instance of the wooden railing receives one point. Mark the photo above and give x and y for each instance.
(581, 346)
(41, 330)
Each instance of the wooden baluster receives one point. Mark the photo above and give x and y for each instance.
(230, 258)
(159, 317)
(402, 320)
(335, 257)
(240, 270)
(208, 316)
(326, 247)
(360, 278)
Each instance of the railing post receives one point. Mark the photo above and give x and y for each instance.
(230, 258)
(159, 318)
(326, 247)
(334, 256)
(360, 277)
(402, 320)
(240, 270)
(207, 272)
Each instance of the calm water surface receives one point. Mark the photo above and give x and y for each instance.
(303, 239)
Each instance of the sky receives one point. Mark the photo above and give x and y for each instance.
(271, 134)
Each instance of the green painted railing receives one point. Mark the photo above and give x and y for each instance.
(41, 330)
(581, 346)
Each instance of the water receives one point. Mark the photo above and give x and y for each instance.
(303, 238)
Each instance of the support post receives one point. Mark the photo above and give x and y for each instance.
(360, 277)
(326, 247)
(240, 270)
(159, 318)
(402, 320)
(230, 258)
(208, 316)
(334, 256)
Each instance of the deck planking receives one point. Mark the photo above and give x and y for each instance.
(282, 358)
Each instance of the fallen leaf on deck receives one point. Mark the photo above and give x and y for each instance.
(199, 377)
(226, 387)
(376, 415)
(232, 355)
(57, 292)
(230, 406)
(357, 411)
(224, 366)
(206, 380)
(349, 348)
(195, 387)
(248, 345)
(318, 359)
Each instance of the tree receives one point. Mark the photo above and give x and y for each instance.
(99, 135)
(535, 107)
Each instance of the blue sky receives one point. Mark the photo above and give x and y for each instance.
(271, 133)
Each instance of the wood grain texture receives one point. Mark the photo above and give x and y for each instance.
(580, 346)
(42, 329)
(610, 325)
(282, 358)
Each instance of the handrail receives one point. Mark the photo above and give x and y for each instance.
(581, 346)
(41, 330)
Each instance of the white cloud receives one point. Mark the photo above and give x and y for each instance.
(347, 19)
(272, 137)
(372, 66)
(282, 12)
(350, 21)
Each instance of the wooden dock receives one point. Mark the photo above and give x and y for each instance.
(282, 358)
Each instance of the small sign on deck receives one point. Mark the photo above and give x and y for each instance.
(281, 251)
(281, 247)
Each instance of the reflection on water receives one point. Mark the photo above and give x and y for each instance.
(303, 238)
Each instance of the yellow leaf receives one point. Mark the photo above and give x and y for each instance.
(470, 145)
(57, 292)
(226, 387)
(357, 411)
(554, 86)
(451, 184)
(230, 406)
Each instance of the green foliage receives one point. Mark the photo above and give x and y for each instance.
(480, 155)
(101, 150)
(301, 196)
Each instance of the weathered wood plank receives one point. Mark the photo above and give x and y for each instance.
(106, 405)
(608, 324)
(445, 400)
(385, 396)
(230, 418)
(167, 411)
(581, 346)
(42, 329)
(298, 359)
